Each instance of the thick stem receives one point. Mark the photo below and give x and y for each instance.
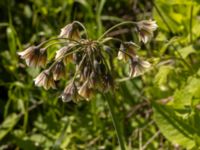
(115, 26)
(115, 121)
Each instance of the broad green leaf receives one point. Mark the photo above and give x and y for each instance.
(182, 98)
(186, 95)
(174, 128)
(184, 52)
(176, 2)
(8, 124)
(162, 75)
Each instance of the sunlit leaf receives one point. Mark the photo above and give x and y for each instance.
(184, 52)
(175, 129)
(8, 124)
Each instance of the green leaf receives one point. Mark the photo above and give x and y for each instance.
(8, 125)
(182, 98)
(11, 40)
(184, 52)
(162, 75)
(176, 2)
(174, 128)
(186, 95)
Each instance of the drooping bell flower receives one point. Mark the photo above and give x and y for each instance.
(45, 79)
(70, 31)
(70, 93)
(146, 29)
(126, 50)
(58, 70)
(34, 56)
(138, 66)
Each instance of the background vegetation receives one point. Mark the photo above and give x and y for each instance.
(159, 110)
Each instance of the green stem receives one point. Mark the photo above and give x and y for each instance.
(54, 44)
(80, 24)
(191, 18)
(115, 26)
(162, 17)
(59, 38)
(191, 36)
(115, 121)
(65, 55)
(110, 39)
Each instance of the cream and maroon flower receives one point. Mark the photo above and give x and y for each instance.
(70, 31)
(138, 66)
(62, 53)
(34, 56)
(70, 93)
(85, 90)
(126, 49)
(45, 79)
(58, 70)
(146, 29)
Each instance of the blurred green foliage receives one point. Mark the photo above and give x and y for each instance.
(160, 110)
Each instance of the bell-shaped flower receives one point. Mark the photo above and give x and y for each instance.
(126, 50)
(70, 93)
(58, 70)
(85, 90)
(146, 29)
(70, 31)
(45, 79)
(138, 66)
(62, 53)
(34, 56)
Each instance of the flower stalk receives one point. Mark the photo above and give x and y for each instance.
(116, 124)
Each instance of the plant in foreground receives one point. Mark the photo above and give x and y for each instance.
(92, 59)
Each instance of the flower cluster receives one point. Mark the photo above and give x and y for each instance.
(93, 69)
